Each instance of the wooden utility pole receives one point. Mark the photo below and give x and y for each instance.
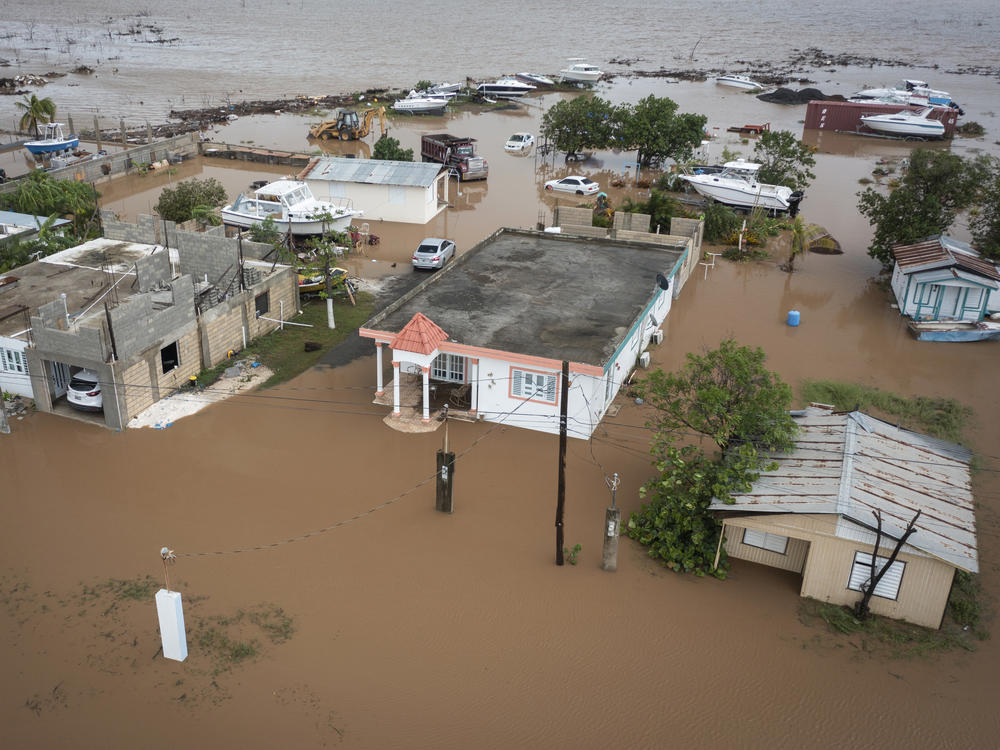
(561, 501)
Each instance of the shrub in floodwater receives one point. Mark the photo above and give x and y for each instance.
(720, 221)
(971, 129)
(572, 553)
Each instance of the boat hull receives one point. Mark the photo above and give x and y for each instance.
(299, 227)
(954, 332)
(421, 108)
(928, 129)
(579, 77)
(52, 147)
(738, 83)
(768, 197)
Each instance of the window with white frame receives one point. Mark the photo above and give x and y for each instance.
(772, 542)
(861, 571)
(533, 386)
(12, 360)
(450, 367)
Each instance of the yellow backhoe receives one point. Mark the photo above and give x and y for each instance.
(349, 125)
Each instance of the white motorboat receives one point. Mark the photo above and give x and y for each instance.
(445, 88)
(534, 79)
(505, 88)
(290, 203)
(736, 185)
(53, 141)
(581, 72)
(908, 91)
(739, 82)
(422, 103)
(906, 123)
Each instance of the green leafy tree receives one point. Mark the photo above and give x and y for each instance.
(41, 195)
(206, 216)
(729, 396)
(936, 186)
(35, 111)
(50, 239)
(389, 149)
(580, 123)
(720, 221)
(660, 206)
(265, 231)
(179, 203)
(784, 159)
(656, 131)
(985, 223)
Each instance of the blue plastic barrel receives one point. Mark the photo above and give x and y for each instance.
(793, 318)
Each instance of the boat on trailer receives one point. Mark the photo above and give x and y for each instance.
(736, 185)
(290, 203)
(53, 141)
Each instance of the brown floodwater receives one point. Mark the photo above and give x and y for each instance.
(418, 629)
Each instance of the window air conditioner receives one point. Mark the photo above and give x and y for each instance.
(658, 336)
(644, 359)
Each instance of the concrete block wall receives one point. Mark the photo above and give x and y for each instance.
(153, 271)
(138, 326)
(57, 344)
(205, 255)
(137, 389)
(693, 228)
(121, 162)
(632, 222)
(143, 381)
(566, 216)
(53, 314)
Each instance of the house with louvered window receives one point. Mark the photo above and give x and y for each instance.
(488, 335)
(817, 515)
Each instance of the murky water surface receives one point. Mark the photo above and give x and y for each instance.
(416, 629)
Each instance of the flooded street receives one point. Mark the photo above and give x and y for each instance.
(415, 629)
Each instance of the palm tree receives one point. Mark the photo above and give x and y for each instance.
(35, 111)
(798, 245)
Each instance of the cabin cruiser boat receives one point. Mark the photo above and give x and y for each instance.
(581, 72)
(908, 91)
(534, 79)
(505, 88)
(422, 103)
(906, 123)
(736, 185)
(739, 82)
(53, 141)
(290, 203)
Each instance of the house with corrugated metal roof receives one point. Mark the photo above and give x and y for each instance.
(406, 191)
(815, 515)
(947, 290)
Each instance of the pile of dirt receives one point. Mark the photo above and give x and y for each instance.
(803, 96)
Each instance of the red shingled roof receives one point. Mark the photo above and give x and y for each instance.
(934, 251)
(421, 335)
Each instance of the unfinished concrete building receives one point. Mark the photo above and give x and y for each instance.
(154, 306)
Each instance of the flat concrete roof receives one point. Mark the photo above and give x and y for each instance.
(546, 295)
(39, 283)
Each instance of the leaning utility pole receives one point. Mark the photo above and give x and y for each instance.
(4, 427)
(561, 501)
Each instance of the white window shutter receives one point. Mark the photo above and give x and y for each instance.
(518, 378)
(888, 586)
(550, 389)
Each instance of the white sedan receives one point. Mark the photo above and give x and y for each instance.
(574, 184)
(519, 142)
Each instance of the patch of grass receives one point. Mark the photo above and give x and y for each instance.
(284, 351)
(881, 635)
(943, 418)
(965, 604)
(217, 643)
(748, 254)
(971, 129)
(136, 589)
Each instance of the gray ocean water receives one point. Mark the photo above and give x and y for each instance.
(187, 53)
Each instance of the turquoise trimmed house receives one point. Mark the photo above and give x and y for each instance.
(947, 291)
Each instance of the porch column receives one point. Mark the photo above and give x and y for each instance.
(427, 393)
(447, 184)
(475, 386)
(395, 389)
(378, 366)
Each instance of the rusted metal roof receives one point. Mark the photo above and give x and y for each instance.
(943, 252)
(853, 464)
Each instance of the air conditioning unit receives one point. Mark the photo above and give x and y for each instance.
(644, 359)
(658, 336)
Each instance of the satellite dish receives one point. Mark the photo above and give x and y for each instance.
(662, 281)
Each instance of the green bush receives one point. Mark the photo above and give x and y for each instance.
(179, 203)
(720, 222)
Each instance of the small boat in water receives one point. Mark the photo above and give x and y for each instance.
(505, 88)
(535, 79)
(53, 141)
(736, 185)
(422, 103)
(909, 91)
(739, 82)
(906, 124)
(290, 203)
(581, 72)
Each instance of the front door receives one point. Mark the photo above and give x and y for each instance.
(449, 367)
